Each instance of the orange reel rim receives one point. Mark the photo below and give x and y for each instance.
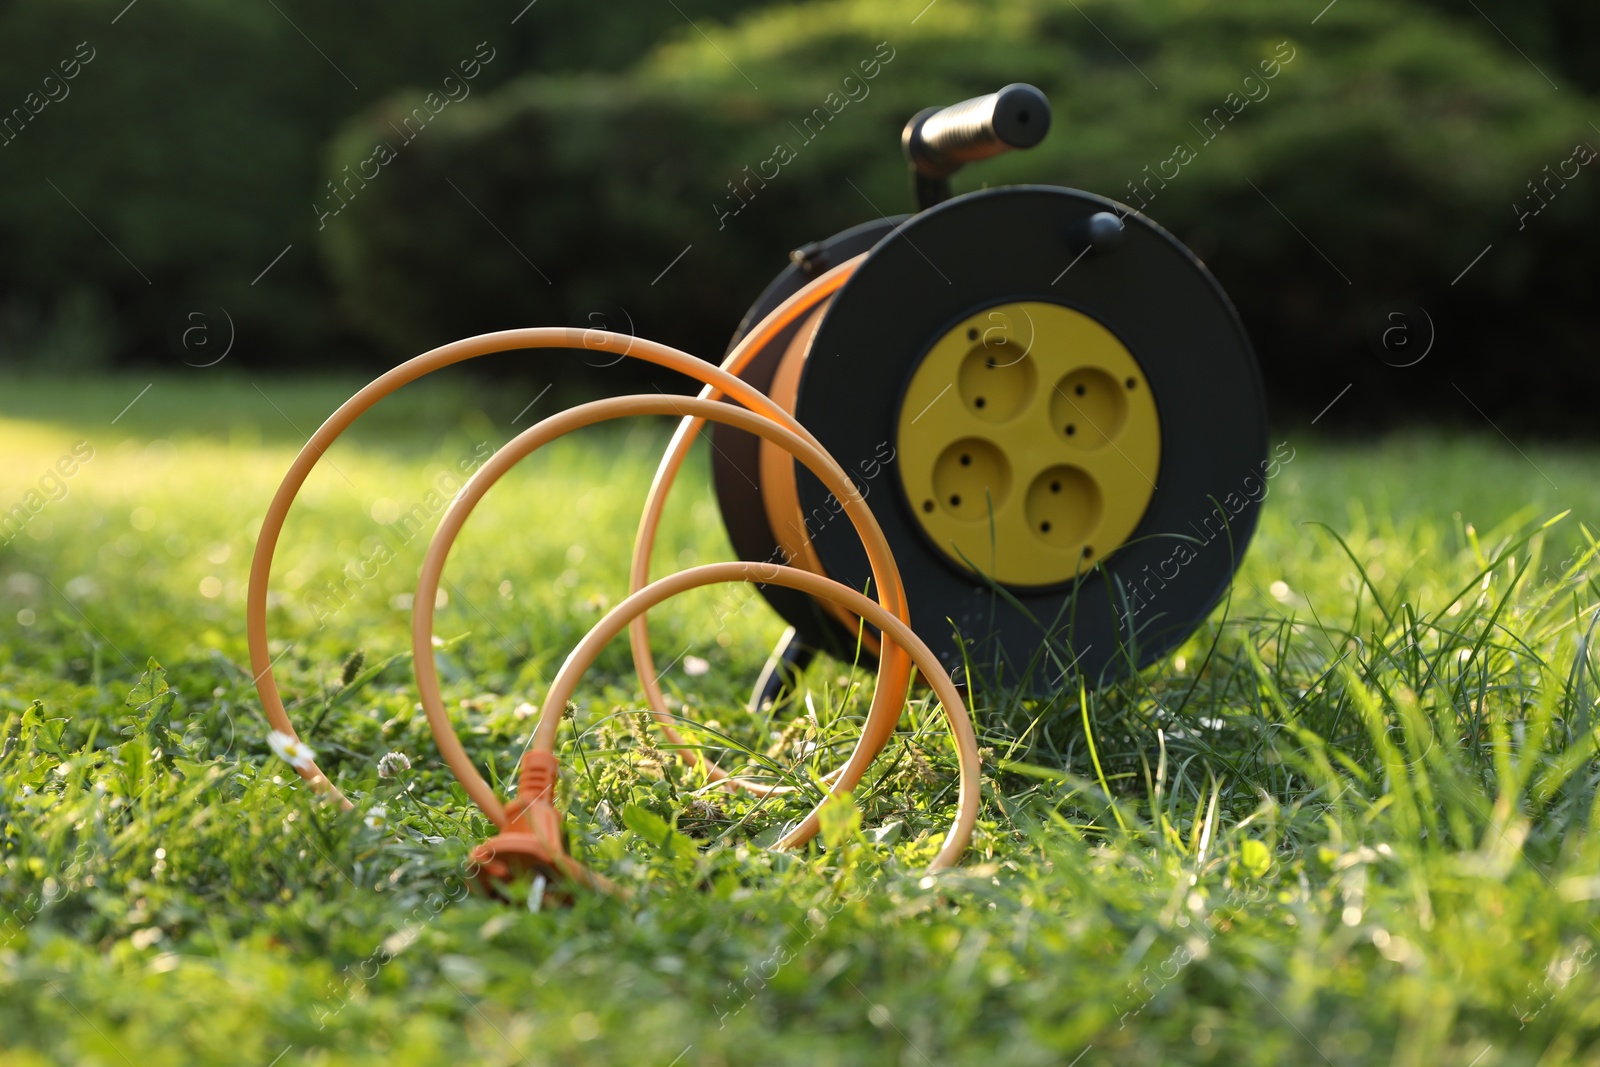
(802, 303)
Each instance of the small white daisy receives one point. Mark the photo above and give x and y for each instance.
(291, 750)
(694, 666)
(377, 815)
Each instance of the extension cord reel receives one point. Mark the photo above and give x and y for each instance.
(1048, 398)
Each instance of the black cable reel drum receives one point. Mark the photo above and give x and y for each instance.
(1049, 402)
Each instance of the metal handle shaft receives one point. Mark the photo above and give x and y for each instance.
(938, 141)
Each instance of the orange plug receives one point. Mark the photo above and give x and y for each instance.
(531, 841)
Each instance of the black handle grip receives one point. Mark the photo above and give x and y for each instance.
(938, 141)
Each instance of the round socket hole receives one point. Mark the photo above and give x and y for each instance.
(969, 478)
(997, 381)
(1088, 407)
(1063, 506)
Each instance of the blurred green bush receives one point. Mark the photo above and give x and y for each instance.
(600, 143)
(1564, 35)
(193, 142)
(1394, 139)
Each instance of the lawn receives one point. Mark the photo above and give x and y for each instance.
(1347, 822)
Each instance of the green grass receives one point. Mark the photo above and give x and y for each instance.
(1347, 822)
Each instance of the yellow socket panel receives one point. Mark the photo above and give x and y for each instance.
(1028, 443)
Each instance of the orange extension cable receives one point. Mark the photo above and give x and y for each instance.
(530, 823)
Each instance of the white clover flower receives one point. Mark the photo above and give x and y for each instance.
(292, 750)
(393, 763)
(377, 815)
(694, 666)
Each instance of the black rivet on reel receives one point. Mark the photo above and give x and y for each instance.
(812, 259)
(1100, 232)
